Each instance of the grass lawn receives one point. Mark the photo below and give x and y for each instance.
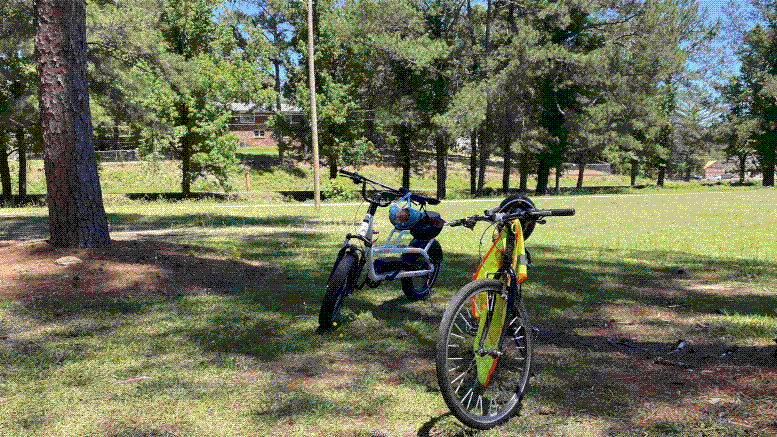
(118, 178)
(212, 331)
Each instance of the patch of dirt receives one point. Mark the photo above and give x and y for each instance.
(128, 267)
(682, 381)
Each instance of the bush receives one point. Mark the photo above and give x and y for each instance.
(337, 190)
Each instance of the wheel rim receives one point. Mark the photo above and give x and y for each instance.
(503, 390)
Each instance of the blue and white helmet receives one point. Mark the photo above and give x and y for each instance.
(404, 217)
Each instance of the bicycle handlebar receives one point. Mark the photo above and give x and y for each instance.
(534, 214)
(357, 179)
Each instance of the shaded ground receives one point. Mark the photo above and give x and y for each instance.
(689, 380)
(133, 266)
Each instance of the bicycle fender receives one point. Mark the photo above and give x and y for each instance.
(347, 248)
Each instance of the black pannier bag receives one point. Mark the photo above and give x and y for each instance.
(428, 227)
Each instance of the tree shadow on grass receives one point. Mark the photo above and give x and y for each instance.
(592, 373)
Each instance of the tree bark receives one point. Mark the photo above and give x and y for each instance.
(186, 151)
(5, 171)
(404, 151)
(21, 147)
(634, 171)
(76, 213)
(581, 162)
(332, 159)
(768, 160)
(661, 173)
(473, 163)
(523, 184)
(482, 162)
(559, 170)
(543, 173)
(742, 164)
(278, 107)
(507, 155)
(441, 152)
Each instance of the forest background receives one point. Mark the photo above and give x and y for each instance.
(655, 88)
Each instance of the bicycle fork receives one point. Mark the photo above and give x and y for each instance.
(490, 338)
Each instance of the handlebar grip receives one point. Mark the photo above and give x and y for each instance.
(492, 211)
(562, 211)
(455, 223)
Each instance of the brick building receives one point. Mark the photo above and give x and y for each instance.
(729, 168)
(249, 122)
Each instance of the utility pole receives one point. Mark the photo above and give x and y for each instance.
(313, 115)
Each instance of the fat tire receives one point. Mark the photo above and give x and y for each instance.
(435, 255)
(462, 300)
(340, 284)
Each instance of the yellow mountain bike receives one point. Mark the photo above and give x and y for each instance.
(484, 344)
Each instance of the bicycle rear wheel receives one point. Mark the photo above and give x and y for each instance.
(419, 287)
(481, 392)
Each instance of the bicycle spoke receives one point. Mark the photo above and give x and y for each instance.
(508, 371)
(464, 319)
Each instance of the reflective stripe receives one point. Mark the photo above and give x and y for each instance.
(523, 260)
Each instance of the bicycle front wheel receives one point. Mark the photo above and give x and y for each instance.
(483, 385)
(340, 285)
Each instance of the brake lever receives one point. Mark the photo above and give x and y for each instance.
(541, 221)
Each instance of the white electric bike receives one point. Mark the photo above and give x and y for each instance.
(416, 263)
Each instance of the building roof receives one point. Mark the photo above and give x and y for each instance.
(751, 161)
(252, 107)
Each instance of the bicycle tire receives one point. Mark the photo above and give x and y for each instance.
(457, 368)
(420, 287)
(340, 284)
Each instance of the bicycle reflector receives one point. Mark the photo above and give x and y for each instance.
(404, 217)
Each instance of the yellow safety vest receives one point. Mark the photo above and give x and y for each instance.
(489, 265)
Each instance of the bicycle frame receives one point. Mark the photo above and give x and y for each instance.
(514, 251)
(370, 252)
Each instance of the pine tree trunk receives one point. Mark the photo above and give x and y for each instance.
(507, 139)
(404, 151)
(559, 170)
(116, 145)
(473, 163)
(634, 171)
(21, 146)
(441, 152)
(332, 158)
(742, 164)
(281, 144)
(76, 213)
(543, 174)
(581, 169)
(186, 151)
(768, 159)
(482, 164)
(523, 184)
(5, 171)
(661, 174)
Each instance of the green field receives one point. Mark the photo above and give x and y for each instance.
(164, 177)
(212, 360)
